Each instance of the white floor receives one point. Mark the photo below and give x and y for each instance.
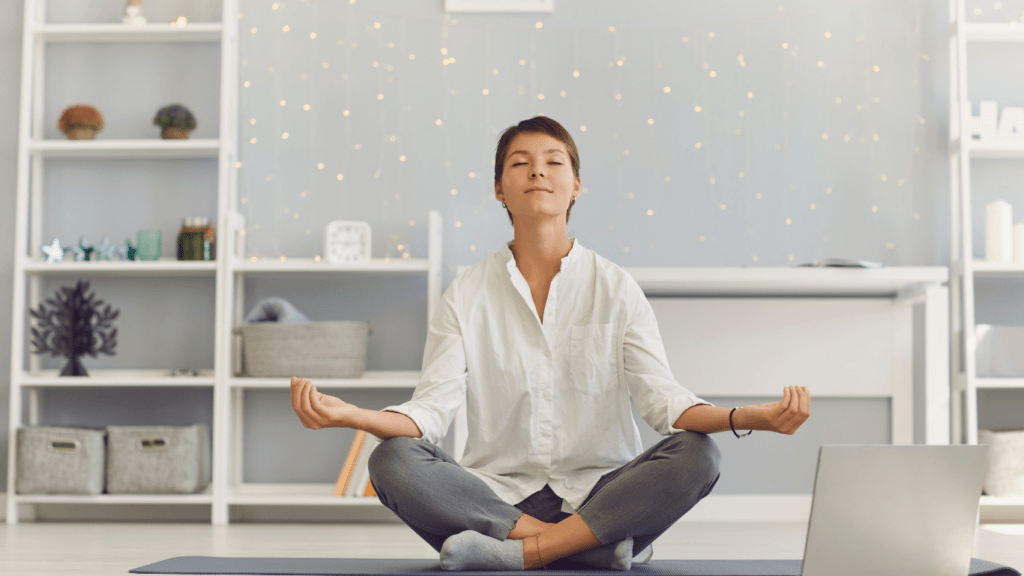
(93, 549)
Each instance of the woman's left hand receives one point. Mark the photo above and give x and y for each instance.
(786, 415)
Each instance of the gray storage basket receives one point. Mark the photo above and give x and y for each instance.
(1005, 473)
(56, 460)
(307, 350)
(158, 459)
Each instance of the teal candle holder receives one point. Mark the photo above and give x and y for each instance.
(148, 244)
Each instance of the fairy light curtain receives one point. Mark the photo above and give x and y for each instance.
(744, 134)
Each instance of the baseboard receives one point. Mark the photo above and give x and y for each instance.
(714, 508)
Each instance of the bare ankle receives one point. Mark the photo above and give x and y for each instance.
(527, 526)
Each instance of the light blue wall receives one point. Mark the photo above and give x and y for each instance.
(793, 105)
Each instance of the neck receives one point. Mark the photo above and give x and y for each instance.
(539, 247)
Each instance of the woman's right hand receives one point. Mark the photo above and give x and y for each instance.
(317, 410)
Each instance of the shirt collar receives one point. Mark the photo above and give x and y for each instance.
(574, 253)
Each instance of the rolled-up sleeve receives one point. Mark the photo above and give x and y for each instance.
(658, 397)
(442, 386)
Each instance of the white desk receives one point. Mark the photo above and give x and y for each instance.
(843, 332)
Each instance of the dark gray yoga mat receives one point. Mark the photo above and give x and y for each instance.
(378, 566)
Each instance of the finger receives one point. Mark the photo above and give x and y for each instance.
(307, 412)
(312, 405)
(296, 386)
(785, 398)
(805, 401)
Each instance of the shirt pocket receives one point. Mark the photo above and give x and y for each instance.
(593, 359)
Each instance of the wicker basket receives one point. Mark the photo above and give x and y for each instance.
(1005, 473)
(309, 349)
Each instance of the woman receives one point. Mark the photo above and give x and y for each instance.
(546, 343)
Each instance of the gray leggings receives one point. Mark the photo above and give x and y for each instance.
(437, 498)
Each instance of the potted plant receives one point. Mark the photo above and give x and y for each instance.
(175, 120)
(80, 122)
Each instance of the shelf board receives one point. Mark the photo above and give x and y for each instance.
(295, 495)
(125, 148)
(1003, 383)
(993, 270)
(1002, 501)
(204, 497)
(370, 379)
(787, 281)
(1001, 509)
(112, 32)
(112, 378)
(993, 31)
(161, 267)
(375, 265)
(995, 150)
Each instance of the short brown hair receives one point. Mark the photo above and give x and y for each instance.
(542, 125)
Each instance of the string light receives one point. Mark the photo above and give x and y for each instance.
(400, 64)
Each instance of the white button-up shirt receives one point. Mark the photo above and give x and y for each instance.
(547, 403)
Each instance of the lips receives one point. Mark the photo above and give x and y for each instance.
(538, 190)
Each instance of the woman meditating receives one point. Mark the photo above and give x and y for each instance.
(546, 343)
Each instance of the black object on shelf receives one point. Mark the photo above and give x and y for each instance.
(70, 325)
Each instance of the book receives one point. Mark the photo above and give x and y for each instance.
(369, 489)
(350, 463)
(843, 263)
(361, 473)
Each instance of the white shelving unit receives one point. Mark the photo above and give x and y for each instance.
(229, 270)
(964, 267)
(30, 267)
(293, 494)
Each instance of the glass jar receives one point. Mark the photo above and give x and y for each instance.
(196, 239)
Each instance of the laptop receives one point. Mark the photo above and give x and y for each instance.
(894, 510)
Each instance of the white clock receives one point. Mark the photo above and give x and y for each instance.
(346, 242)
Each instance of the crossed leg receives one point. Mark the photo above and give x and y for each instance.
(637, 501)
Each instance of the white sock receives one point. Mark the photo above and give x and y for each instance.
(471, 550)
(611, 556)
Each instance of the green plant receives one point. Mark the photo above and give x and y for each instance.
(175, 116)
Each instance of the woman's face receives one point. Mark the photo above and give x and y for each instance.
(537, 180)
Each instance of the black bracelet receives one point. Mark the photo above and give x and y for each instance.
(733, 429)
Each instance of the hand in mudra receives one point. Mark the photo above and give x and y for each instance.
(317, 410)
(786, 415)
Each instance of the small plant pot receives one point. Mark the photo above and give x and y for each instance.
(172, 133)
(81, 133)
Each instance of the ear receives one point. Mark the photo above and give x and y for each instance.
(576, 188)
(498, 193)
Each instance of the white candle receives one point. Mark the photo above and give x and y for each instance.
(1018, 242)
(999, 232)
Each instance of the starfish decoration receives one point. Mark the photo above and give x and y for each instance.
(54, 253)
(82, 251)
(105, 250)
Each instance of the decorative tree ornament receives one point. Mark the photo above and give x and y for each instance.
(82, 252)
(105, 250)
(133, 13)
(70, 325)
(54, 252)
